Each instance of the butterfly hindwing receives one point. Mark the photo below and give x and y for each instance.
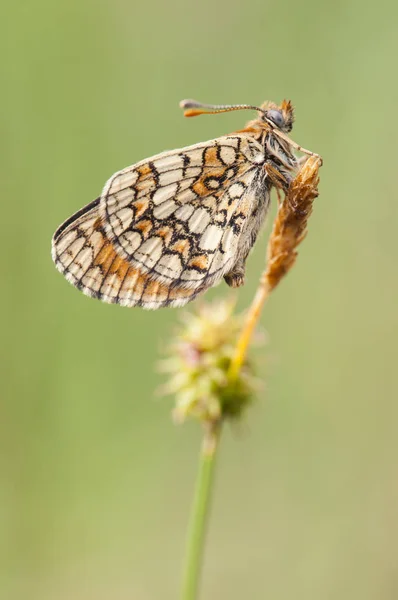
(85, 256)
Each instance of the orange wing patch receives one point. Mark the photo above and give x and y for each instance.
(166, 233)
(199, 262)
(146, 179)
(140, 206)
(143, 171)
(183, 247)
(144, 227)
(200, 188)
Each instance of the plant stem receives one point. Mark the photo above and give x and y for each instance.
(252, 319)
(200, 512)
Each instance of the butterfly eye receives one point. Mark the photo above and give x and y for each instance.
(276, 117)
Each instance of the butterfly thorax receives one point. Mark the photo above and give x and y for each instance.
(276, 148)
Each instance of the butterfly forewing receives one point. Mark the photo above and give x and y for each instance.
(171, 215)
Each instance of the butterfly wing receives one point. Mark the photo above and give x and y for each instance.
(179, 216)
(86, 257)
(165, 229)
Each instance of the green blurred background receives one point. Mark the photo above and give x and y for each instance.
(96, 481)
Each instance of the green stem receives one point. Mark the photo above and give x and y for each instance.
(199, 515)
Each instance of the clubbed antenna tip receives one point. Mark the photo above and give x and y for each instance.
(192, 108)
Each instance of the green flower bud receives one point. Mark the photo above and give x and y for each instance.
(199, 366)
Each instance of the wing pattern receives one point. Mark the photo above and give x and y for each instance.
(165, 229)
(82, 252)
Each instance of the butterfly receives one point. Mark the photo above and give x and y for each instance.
(166, 229)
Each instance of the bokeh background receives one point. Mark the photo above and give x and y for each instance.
(95, 481)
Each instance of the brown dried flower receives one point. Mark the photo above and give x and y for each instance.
(290, 225)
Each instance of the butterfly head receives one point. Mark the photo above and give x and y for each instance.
(281, 116)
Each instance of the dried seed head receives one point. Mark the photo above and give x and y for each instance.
(290, 225)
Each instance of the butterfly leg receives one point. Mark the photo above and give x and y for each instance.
(301, 160)
(279, 178)
(236, 277)
(297, 146)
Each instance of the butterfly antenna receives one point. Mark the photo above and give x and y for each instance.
(192, 108)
